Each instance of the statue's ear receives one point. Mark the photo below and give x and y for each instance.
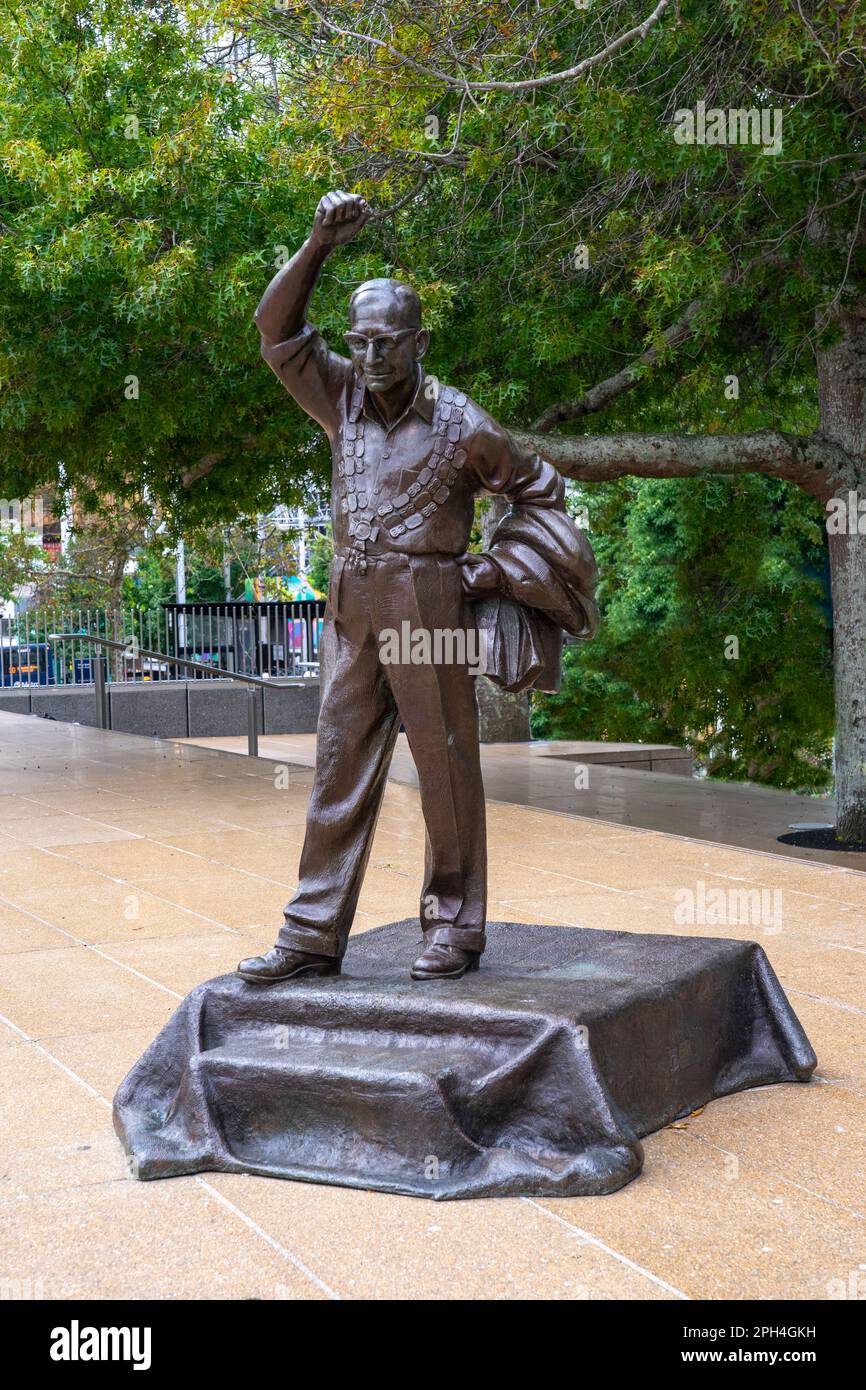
(422, 342)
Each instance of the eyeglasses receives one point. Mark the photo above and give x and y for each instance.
(382, 343)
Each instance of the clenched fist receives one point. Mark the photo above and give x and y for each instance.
(339, 218)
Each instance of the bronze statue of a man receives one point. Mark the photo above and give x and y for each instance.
(410, 455)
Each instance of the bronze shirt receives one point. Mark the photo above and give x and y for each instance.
(408, 487)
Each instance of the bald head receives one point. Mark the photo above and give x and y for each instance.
(388, 300)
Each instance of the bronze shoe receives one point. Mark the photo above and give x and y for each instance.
(444, 962)
(281, 964)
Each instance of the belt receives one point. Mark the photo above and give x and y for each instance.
(371, 552)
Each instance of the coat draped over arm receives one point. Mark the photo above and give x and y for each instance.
(548, 577)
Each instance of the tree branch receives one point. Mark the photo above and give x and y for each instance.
(814, 462)
(601, 395)
(208, 462)
(200, 469)
(844, 64)
(639, 31)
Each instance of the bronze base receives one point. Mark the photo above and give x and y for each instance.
(537, 1075)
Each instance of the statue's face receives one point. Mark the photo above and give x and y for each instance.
(385, 347)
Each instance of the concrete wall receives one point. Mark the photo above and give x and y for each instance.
(73, 706)
(291, 709)
(176, 709)
(14, 701)
(156, 710)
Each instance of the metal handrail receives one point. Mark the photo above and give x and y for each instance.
(100, 688)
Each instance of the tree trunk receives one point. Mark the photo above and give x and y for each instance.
(842, 402)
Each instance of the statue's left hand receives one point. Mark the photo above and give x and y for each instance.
(481, 575)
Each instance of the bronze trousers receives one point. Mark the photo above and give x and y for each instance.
(364, 701)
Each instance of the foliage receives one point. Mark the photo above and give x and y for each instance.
(715, 629)
(321, 554)
(139, 251)
(139, 220)
(21, 557)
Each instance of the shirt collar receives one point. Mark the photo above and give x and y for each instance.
(422, 402)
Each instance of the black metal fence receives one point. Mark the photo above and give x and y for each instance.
(269, 637)
(272, 639)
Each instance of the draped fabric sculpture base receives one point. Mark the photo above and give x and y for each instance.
(539, 1075)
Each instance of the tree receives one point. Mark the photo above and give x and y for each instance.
(704, 301)
(138, 208)
(321, 554)
(91, 571)
(20, 556)
(672, 603)
(701, 285)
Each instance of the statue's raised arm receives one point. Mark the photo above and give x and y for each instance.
(283, 308)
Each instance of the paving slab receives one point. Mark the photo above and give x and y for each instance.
(132, 1240)
(718, 1226)
(370, 1246)
(762, 1195)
